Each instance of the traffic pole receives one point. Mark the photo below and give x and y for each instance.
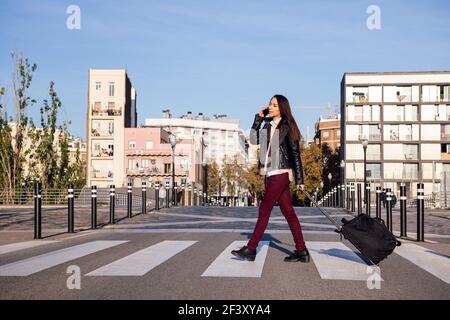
(70, 216)
(93, 207)
(420, 213)
(378, 202)
(37, 211)
(403, 219)
(112, 203)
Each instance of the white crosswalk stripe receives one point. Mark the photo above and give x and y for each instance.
(333, 260)
(227, 265)
(336, 261)
(7, 248)
(429, 260)
(142, 261)
(35, 264)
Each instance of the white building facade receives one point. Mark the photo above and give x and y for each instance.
(406, 118)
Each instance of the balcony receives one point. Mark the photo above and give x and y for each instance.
(102, 174)
(101, 133)
(106, 112)
(103, 153)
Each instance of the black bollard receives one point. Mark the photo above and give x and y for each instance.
(93, 207)
(144, 197)
(389, 209)
(403, 230)
(129, 200)
(348, 197)
(420, 213)
(175, 201)
(378, 203)
(157, 195)
(334, 198)
(195, 196)
(189, 195)
(70, 216)
(167, 194)
(358, 188)
(352, 193)
(342, 196)
(368, 199)
(112, 203)
(37, 211)
(183, 194)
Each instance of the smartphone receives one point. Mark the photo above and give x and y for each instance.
(266, 112)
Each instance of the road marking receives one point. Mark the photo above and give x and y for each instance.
(35, 264)
(435, 263)
(227, 265)
(142, 261)
(7, 248)
(336, 261)
(130, 229)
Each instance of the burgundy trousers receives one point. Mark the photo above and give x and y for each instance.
(277, 189)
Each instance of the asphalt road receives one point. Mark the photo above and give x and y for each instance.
(183, 253)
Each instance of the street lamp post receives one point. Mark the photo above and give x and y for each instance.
(342, 165)
(365, 143)
(173, 144)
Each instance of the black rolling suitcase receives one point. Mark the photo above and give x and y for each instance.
(369, 235)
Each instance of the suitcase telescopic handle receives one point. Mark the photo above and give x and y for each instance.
(326, 214)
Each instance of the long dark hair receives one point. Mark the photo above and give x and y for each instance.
(286, 115)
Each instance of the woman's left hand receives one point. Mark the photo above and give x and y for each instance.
(300, 187)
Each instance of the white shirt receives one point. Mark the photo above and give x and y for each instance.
(274, 124)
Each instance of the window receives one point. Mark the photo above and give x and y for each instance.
(111, 89)
(98, 85)
(404, 94)
(149, 145)
(145, 163)
(444, 93)
(410, 151)
(325, 134)
(445, 148)
(167, 168)
(131, 145)
(360, 94)
(358, 113)
(338, 133)
(230, 134)
(374, 132)
(447, 112)
(410, 170)
(373, 152)
(373, 170)
(393, 133)
(111, 127)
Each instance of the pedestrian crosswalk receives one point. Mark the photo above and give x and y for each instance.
(332, 260)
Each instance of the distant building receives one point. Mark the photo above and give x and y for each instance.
(111, 109)
(328, 131)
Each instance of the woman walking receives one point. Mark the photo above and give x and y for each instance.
(281, 166)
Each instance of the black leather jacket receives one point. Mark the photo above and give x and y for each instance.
(289, 149)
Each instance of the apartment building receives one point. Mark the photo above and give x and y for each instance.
(111, 109)
(221, 136)
(406, 118)
(328, 131)
(148, 157)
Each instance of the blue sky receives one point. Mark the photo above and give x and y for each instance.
(220, 57)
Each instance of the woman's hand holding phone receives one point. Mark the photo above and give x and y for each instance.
(264, 111)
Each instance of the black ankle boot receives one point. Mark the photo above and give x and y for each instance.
(302, 256)
(245, 253)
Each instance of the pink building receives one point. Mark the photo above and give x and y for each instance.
(148, 157)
